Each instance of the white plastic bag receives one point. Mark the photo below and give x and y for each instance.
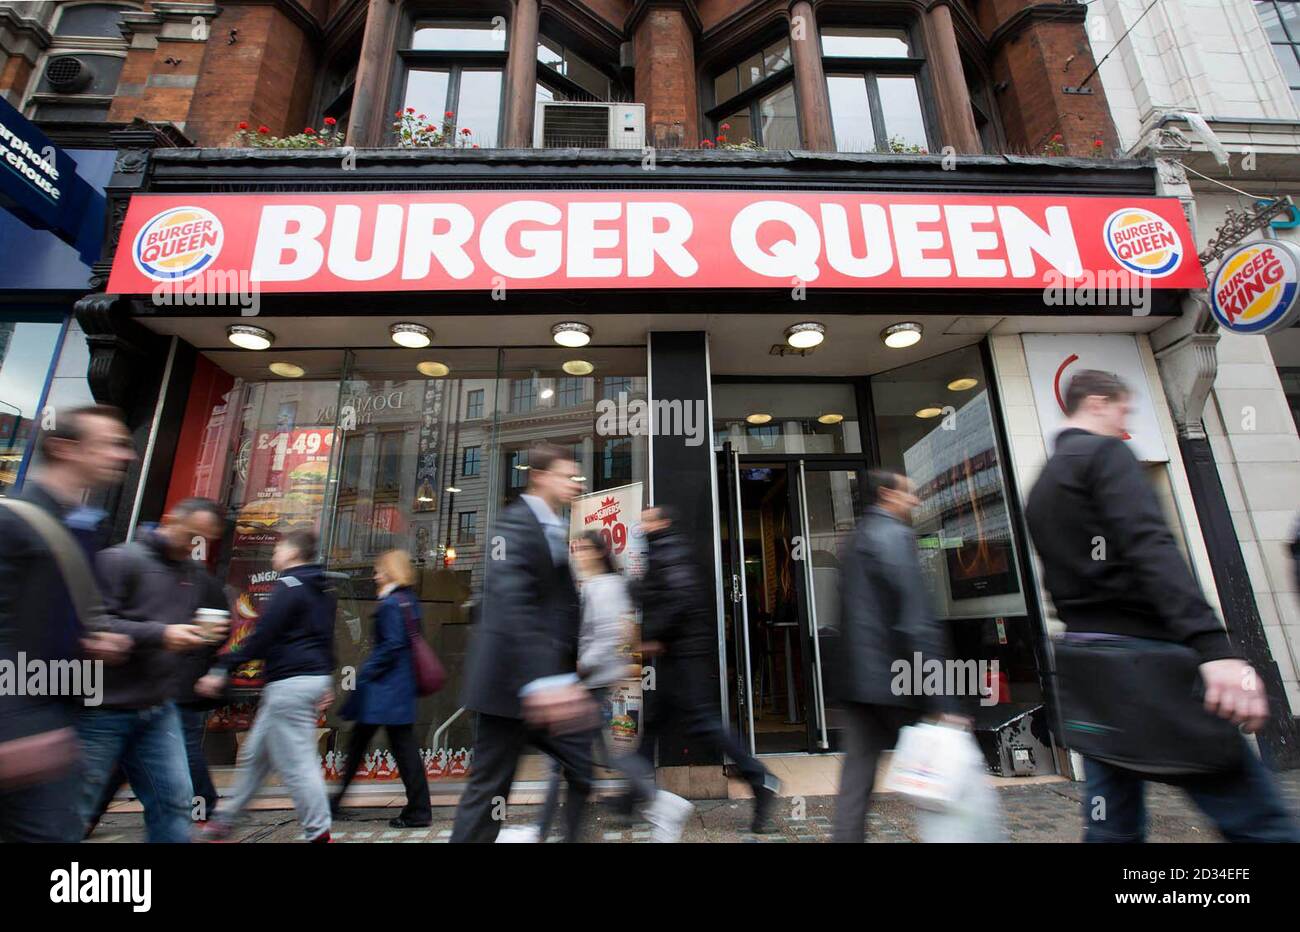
(941, 770)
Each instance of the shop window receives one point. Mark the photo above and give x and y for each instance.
(563, 74)
(1290, 376)
(569, 392)
(754, 101)
(786, 417)
(457, 67)
(1281, 19)
(936, 423)
(27, 349)
(872, 76)
(474, 404)
(467, 528)
(388, 468)
(470, 460)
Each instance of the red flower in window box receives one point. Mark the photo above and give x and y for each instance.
(330, 121)
(309, 131)
(243, 124)
(264, 130)
(466, 131)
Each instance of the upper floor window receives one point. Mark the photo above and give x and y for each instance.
(454, 75)
(754, 100)
(1281, 19)
(562, 74)
(872, 76)
(98, 20)
(474, 404)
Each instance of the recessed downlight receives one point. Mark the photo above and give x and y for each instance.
(830, 417)
(963, 384)
(929, 412)
(758, 417)
(571, 333)
(432, 369)
(901, 336)
(287, 370)
(805, 335)
(251, 338)
(412, 336)
(578, 367)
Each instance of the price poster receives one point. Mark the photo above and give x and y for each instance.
(284, 490)
(615, 514)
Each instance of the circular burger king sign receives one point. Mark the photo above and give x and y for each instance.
(1143, 242)
(1254, 290)
(177, 243)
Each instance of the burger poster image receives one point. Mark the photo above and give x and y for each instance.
(287, 475)
(615, 514)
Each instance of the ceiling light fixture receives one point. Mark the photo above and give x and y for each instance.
(805, 335)
(571, 333)
(287, 370)
(452, 489)
(830, 417)
(412, 336)
(246, 337)
(963, 384)
(929, 412)
(434, 370)
(901, 336)
(757, 418)
(546, 393)
(578, 367)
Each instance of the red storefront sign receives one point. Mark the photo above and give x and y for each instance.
(439, 241)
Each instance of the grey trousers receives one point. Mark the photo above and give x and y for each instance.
(870, 730)
(283, 739)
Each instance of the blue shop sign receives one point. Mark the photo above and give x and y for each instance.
(39, 183)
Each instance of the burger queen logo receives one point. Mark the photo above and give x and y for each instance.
(178, 243)
(1143, 242)
(1254, 290)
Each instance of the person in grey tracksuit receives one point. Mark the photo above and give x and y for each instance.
(295, 638)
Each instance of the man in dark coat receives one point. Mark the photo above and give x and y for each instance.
(886, 620)
(1114, 571)
(678, 631)
(521, 676)
(87, 449)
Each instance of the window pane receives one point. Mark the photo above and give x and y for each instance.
(94, 19)
(550, 53)
(751, 71)
(807, 418)
(426, 91)
(26, 349)
(1291, 19)
(459, 37)
(1268, 16)
(901, 105)
(480, 106)
(850, 42)
(777, 57)
(724, 86)
(1286, 57)
(737, 127)
(780, 128)
(851, 113)
(548, 94)
(587, 76)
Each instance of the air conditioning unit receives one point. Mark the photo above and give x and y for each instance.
(584, 125)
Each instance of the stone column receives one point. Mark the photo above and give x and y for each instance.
(952, 97)
(521, 76)
(369, 119)
(815, 130)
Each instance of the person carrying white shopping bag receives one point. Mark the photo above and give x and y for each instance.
(940, 769)
(885, 620)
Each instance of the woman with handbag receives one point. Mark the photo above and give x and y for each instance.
(387, 688)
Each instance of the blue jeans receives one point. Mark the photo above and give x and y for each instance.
(149, 746)
(194, 722)
(1243, 804)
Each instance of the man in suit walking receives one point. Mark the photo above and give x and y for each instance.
(521, 677)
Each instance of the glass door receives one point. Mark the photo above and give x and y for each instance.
(784, 520)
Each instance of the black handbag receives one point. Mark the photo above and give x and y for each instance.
(1139, 704)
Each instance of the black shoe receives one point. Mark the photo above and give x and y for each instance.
(336, 807)
(764, 800)
(404, 822)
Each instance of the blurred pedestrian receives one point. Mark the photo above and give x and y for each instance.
(884, 620)
(386, 692)
(47, 593)
(294, 636)
(602, 662)
(678, 631)
(1120, 585)
(153, 590)
(521, 677)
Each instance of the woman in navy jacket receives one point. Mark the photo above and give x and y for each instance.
(386, 693)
